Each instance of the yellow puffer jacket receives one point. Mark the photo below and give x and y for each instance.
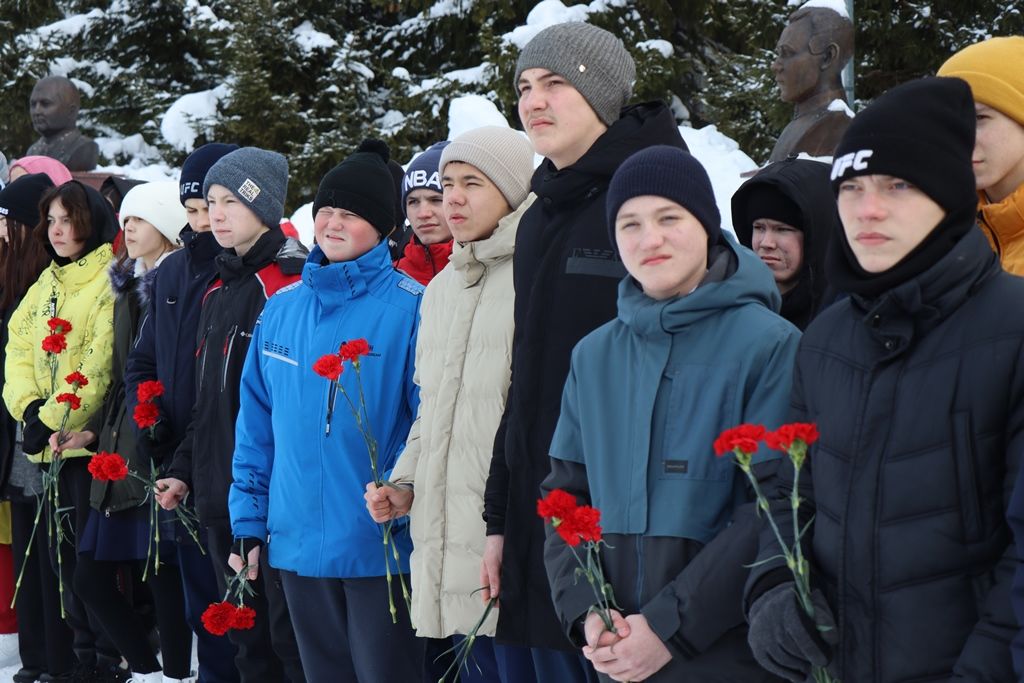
(1003, 225)
(80, 292)
(463, 368)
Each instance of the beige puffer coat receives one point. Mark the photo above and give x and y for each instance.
(463, 367)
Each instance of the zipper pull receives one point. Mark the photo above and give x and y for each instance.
(53, 305)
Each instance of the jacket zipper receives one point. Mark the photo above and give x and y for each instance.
(201, 354)
(639, 569)
(229, 343)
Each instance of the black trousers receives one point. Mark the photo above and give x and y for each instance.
(92, 646)
(345, 632)
(96, 585)
(199, 584)
(268, 651)
(44, 639)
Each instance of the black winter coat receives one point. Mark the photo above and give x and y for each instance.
(165, 346)
(566, 277)
(919, 399)
(113, 425)
(230, 309)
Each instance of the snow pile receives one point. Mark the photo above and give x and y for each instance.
(550, 12)
(724, 162)
(840, 105)
(662, 46)
(472, 111)
(837, 6)
(191, 115)
(309, 39)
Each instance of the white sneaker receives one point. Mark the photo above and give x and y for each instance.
(191, 679)
(155, 677)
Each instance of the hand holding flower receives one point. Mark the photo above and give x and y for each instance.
(170, 492)
(72, 441)
(385, 503)
(637, 656)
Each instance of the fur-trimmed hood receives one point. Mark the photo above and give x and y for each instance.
(127, 276)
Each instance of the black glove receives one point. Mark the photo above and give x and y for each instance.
(249, 542)
(35, 435)
(784, 640)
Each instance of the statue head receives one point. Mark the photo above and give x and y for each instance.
(811, 53)
(53, 105)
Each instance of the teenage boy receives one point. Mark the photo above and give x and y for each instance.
(430, 244)
(301, 461)
(993, 69)
(573, 81)
(914, 382)
(462, 369)
(245, 192)
(165, 351)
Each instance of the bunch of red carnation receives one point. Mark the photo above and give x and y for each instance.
(221, 617)
(108, 467)
(146, 413)
(573, 522)
(56, 341)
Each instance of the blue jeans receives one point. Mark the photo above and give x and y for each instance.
(490, 662)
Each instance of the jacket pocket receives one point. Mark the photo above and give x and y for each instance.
(966, 476)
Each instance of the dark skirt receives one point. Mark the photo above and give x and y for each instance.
(124, 536)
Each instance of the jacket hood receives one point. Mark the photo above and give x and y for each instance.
(472, 258)
(750, 283)
(641, 125)
(104, 224)
(335, 283)
(1005, 218)
(806, 184)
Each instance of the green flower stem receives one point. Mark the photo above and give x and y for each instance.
(464, 648)
(28, 549)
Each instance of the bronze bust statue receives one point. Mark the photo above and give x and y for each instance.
(810, 56)
(53, 107)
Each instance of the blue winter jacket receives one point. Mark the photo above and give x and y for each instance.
(292, 480)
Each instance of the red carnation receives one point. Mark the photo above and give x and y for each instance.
(59, 325)
(54, 343)
(147, 391)
(352, 350)
(556, 505)
(77, 379)
(586, 520)
(329, 366)
(743, 438)
(219, 618)
(108, 467)
(244, 618)
(146, 415)
(784, 437)
(74, 401)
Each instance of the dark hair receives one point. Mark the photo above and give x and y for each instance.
(22, 259)
(74, 200)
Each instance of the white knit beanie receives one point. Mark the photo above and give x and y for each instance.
(156, 203)
(504, 155)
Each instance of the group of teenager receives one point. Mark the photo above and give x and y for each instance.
(586, 325)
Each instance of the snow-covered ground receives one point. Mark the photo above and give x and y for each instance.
(9, 653)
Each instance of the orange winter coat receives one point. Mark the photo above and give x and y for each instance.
(1003, 225)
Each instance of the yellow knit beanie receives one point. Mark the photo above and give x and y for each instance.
(995, 71)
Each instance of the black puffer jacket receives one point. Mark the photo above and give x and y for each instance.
(566, 277)
(230, 309)
(919, 399)
(806, 184)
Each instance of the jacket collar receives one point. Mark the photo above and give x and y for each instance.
(79, 273)
(918, 305)
(735, 277)
(1006, 218)
(232, 267)
(200, 247)
(473, 258)
(335, 283)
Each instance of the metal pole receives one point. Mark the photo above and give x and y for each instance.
(848, 71)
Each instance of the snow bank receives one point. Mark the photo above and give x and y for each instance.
(191, 115)
(724, 162)
(472, 111)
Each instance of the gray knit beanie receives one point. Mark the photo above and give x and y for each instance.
(258, 177)
(593, 60)
(505, 156)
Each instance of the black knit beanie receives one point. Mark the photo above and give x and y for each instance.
(767, 201)
(921, 132)
(666, 172)
(362, 184)
(20, 200)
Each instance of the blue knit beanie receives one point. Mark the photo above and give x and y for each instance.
(193, 171)
(257, 177)
(422, 172)
(667, 172)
